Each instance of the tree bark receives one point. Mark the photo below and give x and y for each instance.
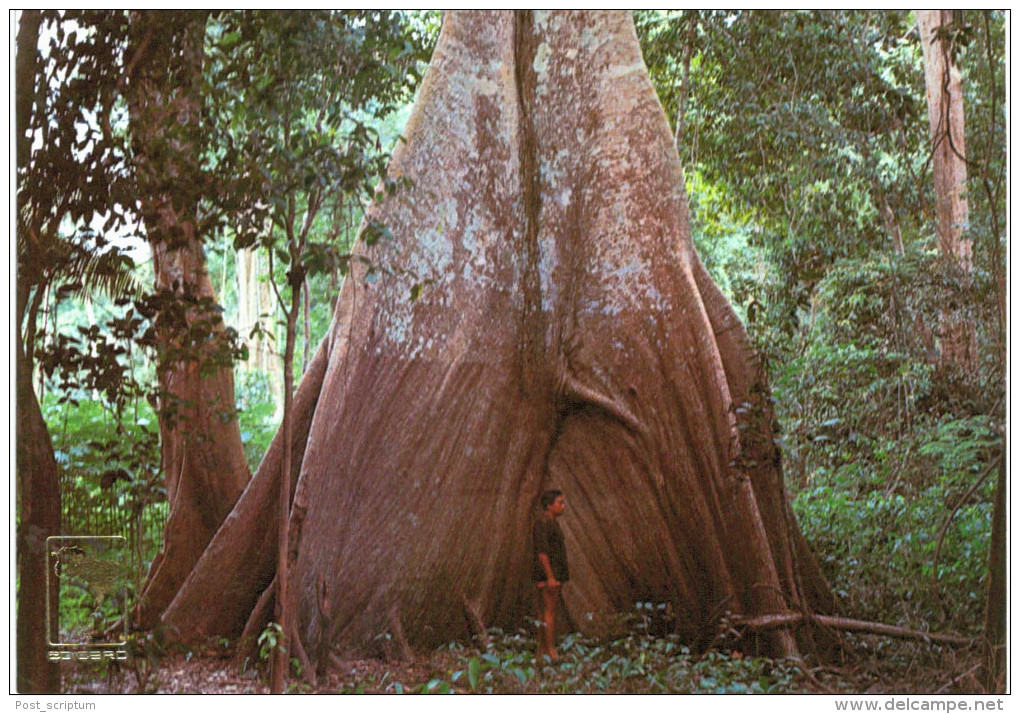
(242, 557)
(26, 65)
(38, 518)
(38, 486)
(958, 341)
(203, 458)
(283, 556)
(26, 79)
(570, 339)
(996, 602)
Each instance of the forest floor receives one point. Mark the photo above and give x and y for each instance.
(869, 666)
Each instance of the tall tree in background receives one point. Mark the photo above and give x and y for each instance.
(203, 457)
(291, 94)
(564, 334)
(765, 132)
(957, 337)
(255, 307)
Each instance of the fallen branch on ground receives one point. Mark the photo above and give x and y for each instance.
(957, 678)
(790, 619)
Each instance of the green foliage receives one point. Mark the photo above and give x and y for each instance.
(269, 640)
(810, 129)
(183, 327)
(809, 119)
(256, 415)
(882, 445)
(293, 122)
(110, 475)
(722, 237)
(291, 95)
(877, 550)
(72, 183)
(636, 664)
(869, 338)
(296, 101)
(806, 144)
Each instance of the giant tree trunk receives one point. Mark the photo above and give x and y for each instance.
(571, 339)
(958, 345)
(203, 457)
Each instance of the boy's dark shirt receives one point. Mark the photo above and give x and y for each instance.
(548, 539)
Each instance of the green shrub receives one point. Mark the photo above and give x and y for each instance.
(635, 663)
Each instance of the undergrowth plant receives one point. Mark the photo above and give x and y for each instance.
(636, 663)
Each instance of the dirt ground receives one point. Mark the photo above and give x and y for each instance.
(876, 668)
(212, 674)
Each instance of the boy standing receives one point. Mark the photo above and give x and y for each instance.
(550, 570)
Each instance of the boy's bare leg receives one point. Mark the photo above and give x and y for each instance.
(547, 633)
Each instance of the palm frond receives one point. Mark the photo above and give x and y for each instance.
(78, 266)
(111, 273)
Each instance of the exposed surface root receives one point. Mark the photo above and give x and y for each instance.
(792, 619)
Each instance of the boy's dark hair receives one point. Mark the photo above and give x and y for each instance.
(549, 497)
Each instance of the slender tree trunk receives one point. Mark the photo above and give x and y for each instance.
(38, 486)
(283, 556)
(681, 109)
(307, 303)
(892, 226)
(38, 518)
(996, 602)
(570, 339)
(958, 342)
(203, 458)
